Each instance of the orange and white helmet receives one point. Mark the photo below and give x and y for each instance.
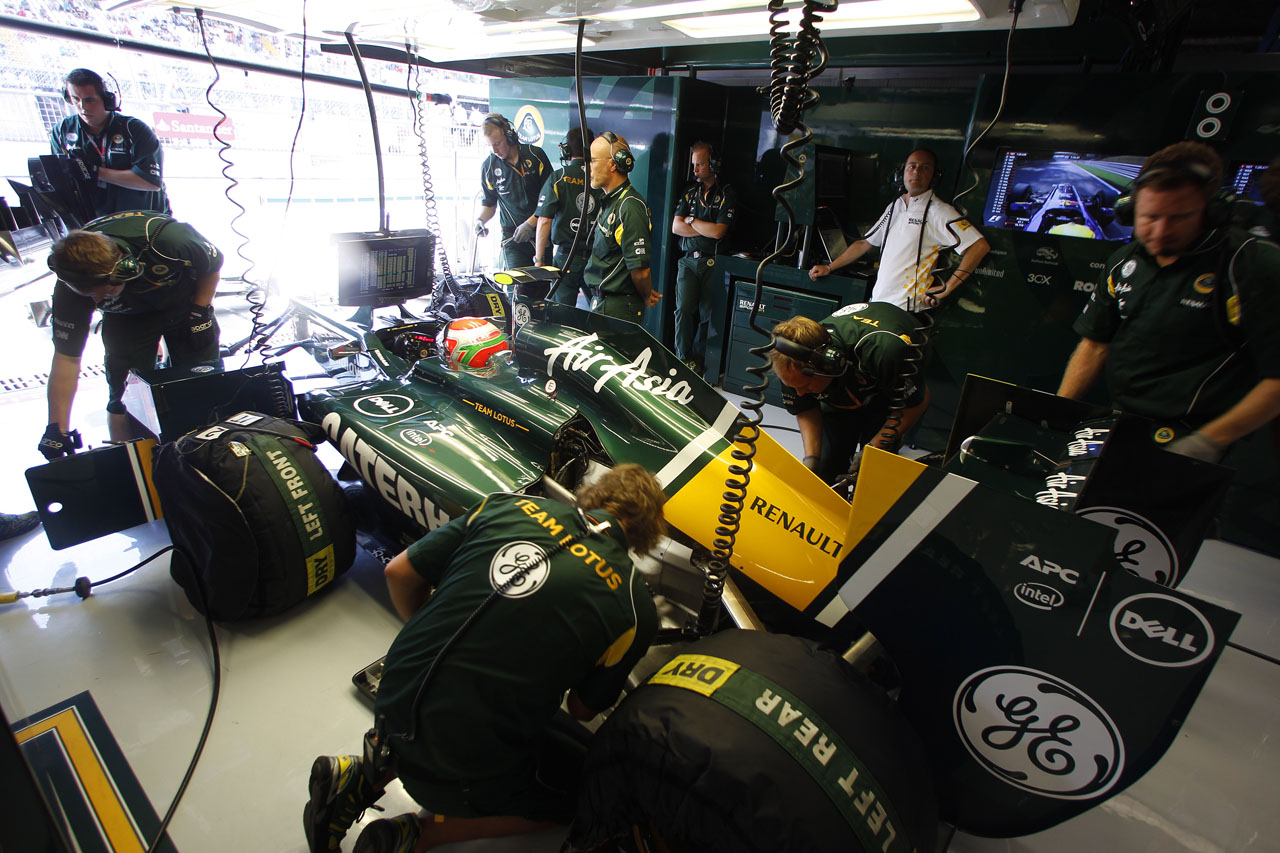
(473, 344)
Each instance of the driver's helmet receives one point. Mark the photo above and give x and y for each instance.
(473, 345)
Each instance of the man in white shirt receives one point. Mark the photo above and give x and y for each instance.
(911, 232)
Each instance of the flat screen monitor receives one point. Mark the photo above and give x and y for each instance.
(1245, 180)
(1066, 193)
(376, 269)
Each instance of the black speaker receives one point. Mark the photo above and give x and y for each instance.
(1211, 119)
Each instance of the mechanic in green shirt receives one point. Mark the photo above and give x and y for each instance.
(702, 219)
(531, 599)
(151, 277)
(1187, 319)
(563, 206)
(510, 179)
(617, 275)
(850, 380)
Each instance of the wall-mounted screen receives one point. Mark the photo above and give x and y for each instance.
(1066, 193)
(377, 269)
(1245, 180)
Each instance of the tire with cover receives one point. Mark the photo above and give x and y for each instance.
(706, 778)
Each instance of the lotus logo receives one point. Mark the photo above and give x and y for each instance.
(383, 405)
(1038, 733)
(1038, 595)
(1161, 630)
(507, 563)
(1141, 548)
(415, 437)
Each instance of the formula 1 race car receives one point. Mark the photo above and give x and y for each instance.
(1063, 211)
(997, 643)
(1016, 638)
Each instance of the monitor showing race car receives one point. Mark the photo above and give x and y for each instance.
(379, 268)
(1245, 180)
(1067, 193)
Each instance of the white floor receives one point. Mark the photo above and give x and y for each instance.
(141, 651)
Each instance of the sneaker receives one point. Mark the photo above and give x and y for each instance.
(394, 835)
(15, 525)
(339, 795)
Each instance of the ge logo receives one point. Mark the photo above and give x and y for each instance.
(522, 314)
(1038, 278)
(521, 564)
(588, 200)
(1141, 548)
(1038, 733)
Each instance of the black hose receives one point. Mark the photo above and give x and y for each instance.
(383, 224)
(583, 224)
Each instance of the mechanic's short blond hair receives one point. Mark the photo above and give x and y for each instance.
(86, 252)
(800, 330)
(631, 495)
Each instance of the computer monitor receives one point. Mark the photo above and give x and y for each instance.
(1064, 193)
(1245, 180)
(376, 268)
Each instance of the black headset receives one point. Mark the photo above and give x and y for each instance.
(499, 121)
(1217, 211)
(128, 267)
(622, 157)
(574, 133)
(713, 155)
(110, 100)
(824, 360)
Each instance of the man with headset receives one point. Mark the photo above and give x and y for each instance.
(1187, 319)
(913, 229)
(510, 179)
(532, 599)
(850, 380)
(702, 218)
(117, 156)
(617, 274)
(564, 204)
(151, 277)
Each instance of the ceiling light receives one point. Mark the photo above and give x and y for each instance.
(865, 15)
(691, 7)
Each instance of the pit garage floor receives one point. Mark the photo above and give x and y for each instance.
(124, 679)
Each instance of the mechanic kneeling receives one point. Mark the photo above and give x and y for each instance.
(531, 598)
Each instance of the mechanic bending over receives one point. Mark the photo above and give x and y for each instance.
(151, 277)
(510, 179)
(491, 653)
(846, 379)
(1187, 318)
(911, 232)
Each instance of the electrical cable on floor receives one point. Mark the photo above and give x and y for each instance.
(83, 587)
(1256, 654)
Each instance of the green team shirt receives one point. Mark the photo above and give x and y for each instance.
(1188, 340)
(178, 256)
(621, 241)
(583, 625)
(876, 338)
(124, 143)
(717, 205)
(514, 188)
(561, 201)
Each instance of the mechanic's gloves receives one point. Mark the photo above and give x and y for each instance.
(1198, 446)
(81, 168)
(482, 230)
(524, 233)
(811, 462)
(202, 327)
(55, 443)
